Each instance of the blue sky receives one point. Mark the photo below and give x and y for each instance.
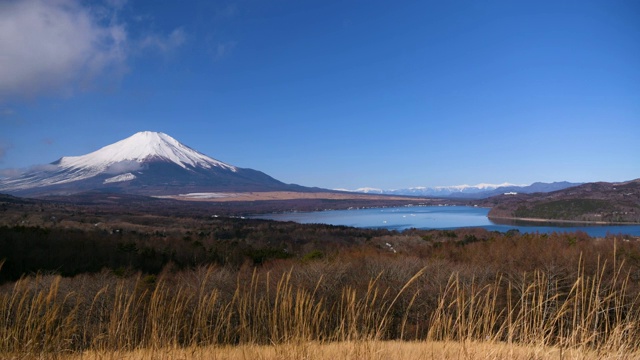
(336, 94)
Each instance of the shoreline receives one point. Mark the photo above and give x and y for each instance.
(551, 221)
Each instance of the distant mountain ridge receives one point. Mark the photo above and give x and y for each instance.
(479, 191)
(146, 163)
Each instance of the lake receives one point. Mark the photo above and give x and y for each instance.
(436, 217)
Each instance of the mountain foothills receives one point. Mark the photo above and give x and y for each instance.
(598, 202)
(147, 163)
(155, 164)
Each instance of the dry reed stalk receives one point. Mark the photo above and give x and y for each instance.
(589, 316)
(35, 320)
(370, 350)
(593, 314)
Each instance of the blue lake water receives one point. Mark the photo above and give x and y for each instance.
(437, 217)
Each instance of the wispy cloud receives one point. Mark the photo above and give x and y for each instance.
(117, 4)
(9, 173)
(15, 172)
(218, 43)
(228, 11)
(123, 167)
(222, 49)
(164, 44)
(56, 47)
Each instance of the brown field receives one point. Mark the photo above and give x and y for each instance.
(373, 350)
(283, 195)
(125, 282)
(315, 311)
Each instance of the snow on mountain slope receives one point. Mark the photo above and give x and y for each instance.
(125, 156)
(140, 147)
(477, 187)
(369, 190)
(435, 190)
(117, 162)
(474, 191)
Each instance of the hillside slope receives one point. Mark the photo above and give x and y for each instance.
(599, 202)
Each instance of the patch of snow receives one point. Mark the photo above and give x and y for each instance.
(120, 178)
(365, 190)
(208, 195)
(477, 186)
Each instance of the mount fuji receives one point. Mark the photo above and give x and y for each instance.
(147, 163)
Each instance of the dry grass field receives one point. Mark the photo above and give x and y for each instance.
(373, 350)
(112, 283)
(211, 313)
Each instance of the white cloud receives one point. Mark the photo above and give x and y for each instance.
(53, 46)
(61, 46)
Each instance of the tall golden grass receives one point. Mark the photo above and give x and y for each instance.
(591, 314)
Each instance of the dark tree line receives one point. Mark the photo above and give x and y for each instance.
(231, 242)
(234, 242)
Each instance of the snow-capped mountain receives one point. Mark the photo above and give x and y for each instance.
(455, 189)
(145, 163)
(478, 191)
(140, 147)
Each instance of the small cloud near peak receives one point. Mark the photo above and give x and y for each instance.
(165, 44)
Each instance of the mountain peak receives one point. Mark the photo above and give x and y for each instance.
(140, 147)
(147, 162)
